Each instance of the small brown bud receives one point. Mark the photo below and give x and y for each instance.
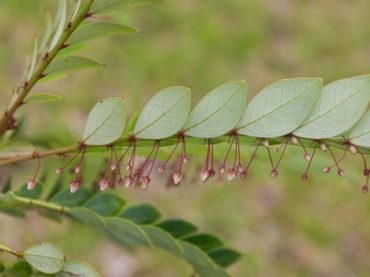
(59, 171)
(326, 169)
(274, 173)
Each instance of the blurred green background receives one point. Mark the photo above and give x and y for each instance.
(284, 227)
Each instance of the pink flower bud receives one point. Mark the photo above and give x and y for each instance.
(59, 171)
(274, 173)
(265, 143)
(222, 168)
(212, 172)
(184, 159)
(231, 174)
(204, 175)
(304, 177)
(307, 157)
(365, 189)
(145, 182)
(240, 168)
(31, 184)
(294, 140)
(128, 167)
(177, 177)
(326, 169)
(104, 183)
(77, 169)
(113, 167)
(161, 168)
(127, 181)
(243, 174)
(74, 185)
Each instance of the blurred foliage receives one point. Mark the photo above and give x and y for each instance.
(284, 227)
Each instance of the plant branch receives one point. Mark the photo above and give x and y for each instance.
(6, 249)
(39, 73)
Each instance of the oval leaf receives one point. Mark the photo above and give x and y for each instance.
(165, 114)
(127, 231)
(87, 216)
(280, 108)
(224, 256)
(162, 239)
(42, 98)
(340, 105)
(67, 199)
(74, 269)
(177, 227)
(97, 30)
(106, 122)
(218, 112)
(45, 257)
(205, 242)
(360, 135)
(105, 203)
(141, 214)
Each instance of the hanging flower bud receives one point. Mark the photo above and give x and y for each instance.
(304, 177)
(265, 143)
(59, 171)
(212, 172)
(177, 177)
(274, 173)
(231, 174)
(341, 172)
(127, 181)
(294, 139)
(323, 146)
(222, 168)
(31, 184)
(327, 169)
(128, 167)
(145, 182)
(74, 185)
(204, 175)
(307, 157)
(113, 166)
(77, 169)
(353, 149)
(365, 189)
(161, 168)
(243, 174)
(104, 183)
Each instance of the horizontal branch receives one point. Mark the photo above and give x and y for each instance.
(7, 249)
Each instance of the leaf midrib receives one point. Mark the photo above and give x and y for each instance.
(104, 121)
(216, 111)
(334, 107)
(163, 114)
(274, 110)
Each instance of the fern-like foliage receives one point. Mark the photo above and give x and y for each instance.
(137, 225)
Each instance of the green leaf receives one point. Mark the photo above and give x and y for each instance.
(18, 269)
(177, 227)
(45, 257)
(280, 108)
(127, 231)
(105, 203)
(218, 112)
(165, 114)
(97, 30)
(162, 239)
(100, 6)
(67, 64)
(71, 49)
(7, 185)
(42, 98)
(67, 199)
(33, 62)
(340, 105)
(141, 214)
(202, 263)
(62, 23)
(88, 216)
(74, 269)
(206, 242)
(106, 122)
(35, 193)
(76, 10)
(360, 134)
(224, 256)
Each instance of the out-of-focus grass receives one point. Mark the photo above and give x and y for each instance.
(284, 227)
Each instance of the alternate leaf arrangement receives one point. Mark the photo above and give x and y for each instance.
(299, 112)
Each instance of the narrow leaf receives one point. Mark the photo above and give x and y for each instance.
(97, 30)
(162, 239)
(45, 257)
(141, 214)
(68, 64)
(177, 227)
(218, 112)
(106, 122)
(78, 269)
(105, 203)
(127, 231)
(71, 49)
(76, 10)
(62, 24)
(360, 135)
(224, 256)
(165, 114)
(206, 242)
(100, 6)
(87, 216)
(42, 98)
(280, 108)
(33, 62)
(67, 199)
(340, 105)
